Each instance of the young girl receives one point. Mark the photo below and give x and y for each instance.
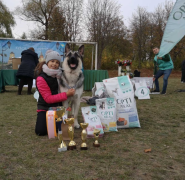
(47, 85)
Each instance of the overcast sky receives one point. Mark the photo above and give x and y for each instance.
(128, 7)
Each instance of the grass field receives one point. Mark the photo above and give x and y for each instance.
(23, 155)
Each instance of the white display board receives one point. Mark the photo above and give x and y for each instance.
(148, 80)
(141, 90)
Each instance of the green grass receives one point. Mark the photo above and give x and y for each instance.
(23, 155)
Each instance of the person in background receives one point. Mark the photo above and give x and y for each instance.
(165, 66)
(29, 60)
(137, 73)
(47, 74)
(183, 72)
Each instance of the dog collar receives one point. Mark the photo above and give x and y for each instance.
(69, 87)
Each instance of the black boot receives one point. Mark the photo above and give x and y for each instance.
(30, 84)
(21, 84)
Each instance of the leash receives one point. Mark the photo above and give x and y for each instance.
(69, 87)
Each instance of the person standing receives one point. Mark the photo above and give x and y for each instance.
(47, 84)
(183, 72)
(29, 60)
(165, 66)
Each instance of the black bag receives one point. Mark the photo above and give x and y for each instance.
(92, 101)
(137, 73)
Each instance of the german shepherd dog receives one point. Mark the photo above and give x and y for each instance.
(72, 77)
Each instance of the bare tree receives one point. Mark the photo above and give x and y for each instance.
(103, 22)
(147, 30)
(56, 19)
(6, 21)
(73, 11)
(39, 11)
(140, 34)
(58, 26)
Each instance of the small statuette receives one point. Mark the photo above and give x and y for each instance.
(60, 112)
(96, 135)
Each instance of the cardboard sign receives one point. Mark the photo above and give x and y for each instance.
(16, 63)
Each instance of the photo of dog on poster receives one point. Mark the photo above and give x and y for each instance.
(72, 77)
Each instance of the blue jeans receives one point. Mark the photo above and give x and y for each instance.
(166, 74)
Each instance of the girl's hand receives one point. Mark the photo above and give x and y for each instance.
(70, 92)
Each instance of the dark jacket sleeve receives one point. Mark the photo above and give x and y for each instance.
(155, 67)
(183, 65)
(166, 57)
(36, 59)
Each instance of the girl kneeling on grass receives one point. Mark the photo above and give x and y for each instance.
(47, 85)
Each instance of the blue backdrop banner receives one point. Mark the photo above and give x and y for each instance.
(12, 48)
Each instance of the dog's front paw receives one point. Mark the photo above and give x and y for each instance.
(76, 125)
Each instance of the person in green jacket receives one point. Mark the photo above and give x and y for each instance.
(162, 66)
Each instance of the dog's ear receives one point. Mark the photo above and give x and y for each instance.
(67, 49)
(81, 50)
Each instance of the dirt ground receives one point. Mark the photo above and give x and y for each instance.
(145, 73)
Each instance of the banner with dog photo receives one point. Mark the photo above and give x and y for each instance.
(90, 116)
(121, 89)
(99, 90)
(106, 111)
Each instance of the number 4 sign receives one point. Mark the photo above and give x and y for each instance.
(142, 91)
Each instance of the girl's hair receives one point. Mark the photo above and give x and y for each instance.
(38, 68)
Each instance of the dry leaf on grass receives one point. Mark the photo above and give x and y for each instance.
(148, 150)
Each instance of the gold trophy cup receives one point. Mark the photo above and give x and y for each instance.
(84, 136)
(72, 144)
(60, 112)
(96, 135)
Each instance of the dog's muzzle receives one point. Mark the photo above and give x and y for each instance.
(73, 62)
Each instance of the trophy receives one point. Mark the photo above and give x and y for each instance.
(84, 136)
(60, 112)
(72, 144)
(96, 135)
